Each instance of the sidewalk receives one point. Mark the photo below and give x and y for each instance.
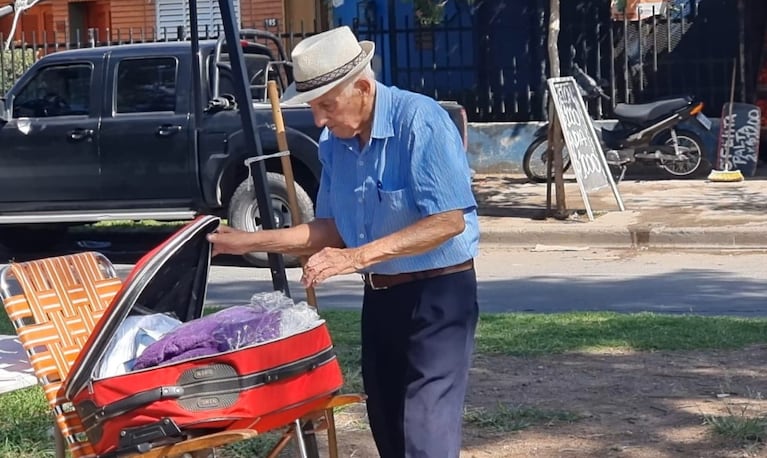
(660, 213)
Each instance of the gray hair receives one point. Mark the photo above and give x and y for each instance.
(366, 73)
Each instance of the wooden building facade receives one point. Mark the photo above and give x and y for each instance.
(79, 21)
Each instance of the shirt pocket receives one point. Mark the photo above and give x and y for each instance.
(394, 210)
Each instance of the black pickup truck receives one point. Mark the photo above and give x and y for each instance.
(106, 133)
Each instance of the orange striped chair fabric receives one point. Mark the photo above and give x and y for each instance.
(60, 301)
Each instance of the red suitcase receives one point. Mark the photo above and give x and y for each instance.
(260, 387)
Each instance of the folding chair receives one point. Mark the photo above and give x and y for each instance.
(55, 303)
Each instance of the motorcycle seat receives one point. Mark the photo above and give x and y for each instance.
(647, 112)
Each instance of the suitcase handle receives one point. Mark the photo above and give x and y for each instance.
(137, 400)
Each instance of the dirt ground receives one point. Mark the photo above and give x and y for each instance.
(638, 405)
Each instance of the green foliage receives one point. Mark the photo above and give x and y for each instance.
(6, 328)
(26, 426)
(537, 334)
(429, 12)
(432, 12)
(514, 418)
(13, 64)
(741, 429)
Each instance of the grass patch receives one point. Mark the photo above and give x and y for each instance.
(128, 226)
(505, 418)
(526, 334)
(26, 418)
(258, 446)
(26, 425)
(740, 429)
(6, 328)
(740, 425)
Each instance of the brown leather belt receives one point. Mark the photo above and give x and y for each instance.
(382, 281)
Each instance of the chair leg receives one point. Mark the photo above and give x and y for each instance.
(309, 437)
(332, 440)
(280, 445)
(300, 444)
(59, 443)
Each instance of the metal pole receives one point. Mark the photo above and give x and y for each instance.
(196, 71)
(244, 100)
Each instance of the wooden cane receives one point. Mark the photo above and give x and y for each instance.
(287, 171)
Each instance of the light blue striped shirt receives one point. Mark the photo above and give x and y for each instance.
(414, 166)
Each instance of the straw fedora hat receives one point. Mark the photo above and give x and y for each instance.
(323, 61)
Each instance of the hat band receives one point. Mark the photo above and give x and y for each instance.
(329, 77)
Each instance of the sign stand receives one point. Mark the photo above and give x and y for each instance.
(571, 122)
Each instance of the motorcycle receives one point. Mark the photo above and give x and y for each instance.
(644, 133)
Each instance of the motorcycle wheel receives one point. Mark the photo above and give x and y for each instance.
(692, 148)
(534, 162)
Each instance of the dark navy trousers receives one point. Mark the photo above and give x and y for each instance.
(417, 341)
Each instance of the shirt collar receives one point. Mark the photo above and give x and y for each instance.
(382, 122)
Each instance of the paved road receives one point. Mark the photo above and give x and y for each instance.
(514, 280)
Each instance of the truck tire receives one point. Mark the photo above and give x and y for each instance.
(244, 214)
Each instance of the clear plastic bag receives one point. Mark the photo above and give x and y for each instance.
(132, 337)
(295, 317)
(269, 316)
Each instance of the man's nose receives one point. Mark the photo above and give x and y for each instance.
(319, 118)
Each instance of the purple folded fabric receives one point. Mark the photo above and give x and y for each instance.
(229, 329)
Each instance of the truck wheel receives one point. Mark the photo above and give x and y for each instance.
(244, 213)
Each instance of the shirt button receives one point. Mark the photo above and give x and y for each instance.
(362, 236)
(360, 162)
(359, 200)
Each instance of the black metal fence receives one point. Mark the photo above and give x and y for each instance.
(494, 63)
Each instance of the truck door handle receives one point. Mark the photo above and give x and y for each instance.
(166, 130)
(78, 135)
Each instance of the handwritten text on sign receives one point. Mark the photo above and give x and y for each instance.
(739, 135)
(582, 145)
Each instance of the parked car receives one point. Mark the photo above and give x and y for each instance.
(107, 133)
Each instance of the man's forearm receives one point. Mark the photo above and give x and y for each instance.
(420, 237)
(304, 239)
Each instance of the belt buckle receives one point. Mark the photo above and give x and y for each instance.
(367, 278)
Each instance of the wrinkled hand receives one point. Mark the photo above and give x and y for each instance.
(227, 240)
(329, 262)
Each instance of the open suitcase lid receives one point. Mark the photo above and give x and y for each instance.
(172, 278)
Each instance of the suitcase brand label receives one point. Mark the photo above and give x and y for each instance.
(208, 403)
(204, 372)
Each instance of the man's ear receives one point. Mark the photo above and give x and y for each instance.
(364, 85)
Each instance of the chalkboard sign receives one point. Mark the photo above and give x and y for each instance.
(583, 145)
(739, 132)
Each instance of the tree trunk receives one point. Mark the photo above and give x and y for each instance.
(553, 39)
(555, 133)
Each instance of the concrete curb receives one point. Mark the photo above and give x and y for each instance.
(725, 237)
(620, 230)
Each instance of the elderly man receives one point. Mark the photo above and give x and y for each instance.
(395, 204)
